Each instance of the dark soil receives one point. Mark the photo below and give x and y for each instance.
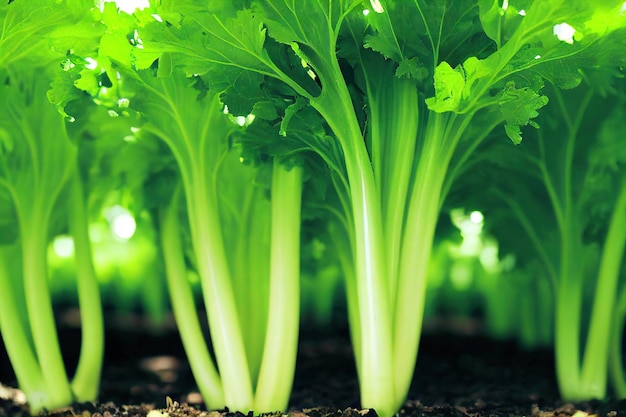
(457, 375)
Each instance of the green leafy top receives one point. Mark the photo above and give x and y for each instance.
(492, 53)
(43, 32)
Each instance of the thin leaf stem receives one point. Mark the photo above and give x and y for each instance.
(184, 307)
(86, 381)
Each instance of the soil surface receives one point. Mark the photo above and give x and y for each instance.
(459, 373)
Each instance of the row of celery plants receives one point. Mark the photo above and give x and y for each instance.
(378, 95)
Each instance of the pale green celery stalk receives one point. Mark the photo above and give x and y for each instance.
(281, 339)
(217, 290)
(184, 307)
(500, 318)
(568, 319)
(86, 381)
(568, 313)
(596, 354)
(250, 263)
(394, 121)
(531, 321)
(616, 363)
(375, 329)
(16, 334)
(34, 210)
(438, 144)
(535, 324)
(198, 145)
(34, 240)
(395, 114)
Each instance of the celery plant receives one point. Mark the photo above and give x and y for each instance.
(406, 126)
(572, 210)
(270, 255)
(38, 167)
(245, 249)
(249, 270)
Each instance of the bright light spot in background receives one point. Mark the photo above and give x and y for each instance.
(122, 223)
(477, 217)
(133, 137)
(366, 12)
(564, 32)
(63, 246)
(157, 18)
(378, 8)
(537, 56)
(136, 40)
(243, 120)
(309, 70)
(522, 12)
(623, 9)
(68, 65)
(505, 5)
(469, 224)
(92, 64)
(127, 6)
